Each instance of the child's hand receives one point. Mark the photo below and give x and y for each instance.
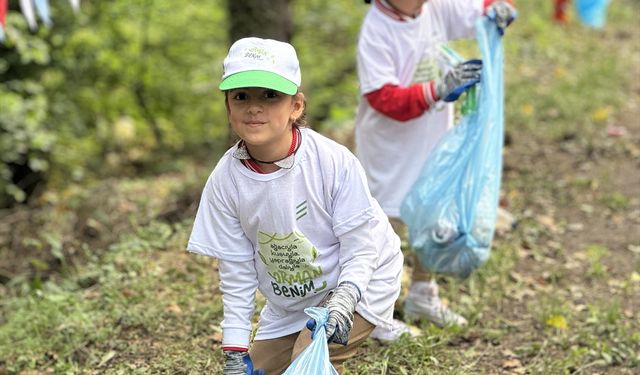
(458, 80)
(341, 304)
(239, 363)
(502, 13)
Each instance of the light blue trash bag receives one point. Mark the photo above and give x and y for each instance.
(451, 209)
(592, 13)
(314, 360)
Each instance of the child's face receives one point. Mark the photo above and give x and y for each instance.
(263, 117)
(410, 8)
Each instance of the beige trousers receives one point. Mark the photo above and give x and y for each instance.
(275, 355)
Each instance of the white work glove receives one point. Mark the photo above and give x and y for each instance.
(239, 363)
(458, 80)
(502, 13)
(340, 303)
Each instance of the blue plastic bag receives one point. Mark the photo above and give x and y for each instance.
(451, 209)
(592, 12)
(314, 360)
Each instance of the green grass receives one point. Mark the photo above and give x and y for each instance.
(121, 304)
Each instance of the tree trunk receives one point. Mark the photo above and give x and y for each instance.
(268, 19)
(262, 18)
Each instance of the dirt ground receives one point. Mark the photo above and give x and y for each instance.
(584, 191)
(577, 191)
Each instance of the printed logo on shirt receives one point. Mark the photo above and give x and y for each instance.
(426, 70)
(290, 260)
(301, 210)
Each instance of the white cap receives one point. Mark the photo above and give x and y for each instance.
(256, 62)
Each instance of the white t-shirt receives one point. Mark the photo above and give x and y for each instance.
(401, 53)
(302, 231)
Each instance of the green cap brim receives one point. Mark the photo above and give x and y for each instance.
(258, 78)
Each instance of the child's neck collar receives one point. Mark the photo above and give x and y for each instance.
(390, 10)
(242, 153)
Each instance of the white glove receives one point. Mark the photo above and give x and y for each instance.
(239, 363)
(458, 80)
(502, 13)
(341, 304)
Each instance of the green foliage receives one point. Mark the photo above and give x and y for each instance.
(616, 201)
(120, 88)
(595, 255)
(126, 87)
(325, 36)
(24, 137)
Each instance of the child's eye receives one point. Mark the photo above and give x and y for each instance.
(240, 96)
(271, 94)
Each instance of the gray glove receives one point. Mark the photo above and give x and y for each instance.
(502, 13)
(458, 80)
(239, 363)
(341, 304)
(234, 363)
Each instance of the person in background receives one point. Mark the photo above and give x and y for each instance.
(407, 86)
(288, 212)
(560, 10)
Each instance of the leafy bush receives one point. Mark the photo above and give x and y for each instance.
(120, 88)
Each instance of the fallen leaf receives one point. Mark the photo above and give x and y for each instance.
(616, 131)
(615, 284)
(586, 208)
(601, 114)
(560, 72)
(512, 363)
(575, 227)
(526, 109)
(580, 307)
(521, 294)
(515, 276)
(548, 222)
(174, 308)
(557, 321)
(107, 357)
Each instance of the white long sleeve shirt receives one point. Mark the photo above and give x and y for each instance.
(295, 234)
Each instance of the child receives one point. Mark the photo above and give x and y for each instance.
(288, 212)
(404, 110)
(560, 8)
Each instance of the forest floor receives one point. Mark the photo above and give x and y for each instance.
(560, 293)
(573, 274)
(96, 279)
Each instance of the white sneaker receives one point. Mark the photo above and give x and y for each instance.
(423, 302)
(398, 328)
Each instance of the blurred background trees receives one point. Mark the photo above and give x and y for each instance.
(130, 87)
